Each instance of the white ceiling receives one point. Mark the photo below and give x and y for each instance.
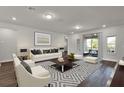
(66, 17)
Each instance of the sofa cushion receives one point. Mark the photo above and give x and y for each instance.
(26, 66)
(40, 71)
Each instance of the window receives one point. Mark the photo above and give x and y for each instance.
(95, 43)
(92, 44)
(88, 42)
(111, 44)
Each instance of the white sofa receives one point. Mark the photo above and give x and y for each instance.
(42, 57)
(40, 77)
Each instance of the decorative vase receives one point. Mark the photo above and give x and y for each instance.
(60, 59)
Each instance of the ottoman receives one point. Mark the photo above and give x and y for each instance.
(91, 59)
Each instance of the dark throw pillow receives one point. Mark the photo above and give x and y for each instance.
(26, 66)
(38, 52)
(56, 50)
(34, 52)
(52, 51)
(46, 51)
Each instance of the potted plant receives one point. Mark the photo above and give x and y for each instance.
(71, 57)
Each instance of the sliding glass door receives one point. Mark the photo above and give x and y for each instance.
(91, 46)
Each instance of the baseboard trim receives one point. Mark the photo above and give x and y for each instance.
(4, 61)
(112, 60)
(112, 76)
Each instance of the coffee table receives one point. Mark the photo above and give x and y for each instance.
(64, 66)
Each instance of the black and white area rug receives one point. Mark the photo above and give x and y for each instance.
(72, 77)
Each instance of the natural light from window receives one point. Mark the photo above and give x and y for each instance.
(111, 44)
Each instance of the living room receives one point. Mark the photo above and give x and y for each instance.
(50, 41)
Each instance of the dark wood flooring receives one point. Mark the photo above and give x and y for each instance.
(97, 79)
(100, 77)
(118, 79)
(7, 75)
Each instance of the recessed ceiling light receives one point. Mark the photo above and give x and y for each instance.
(103, 26)
(14, 18)
(48, 15)
(77, 27)
(72, 32)
(95, 34)
(31, 8)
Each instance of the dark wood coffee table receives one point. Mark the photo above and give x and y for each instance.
(64, 66)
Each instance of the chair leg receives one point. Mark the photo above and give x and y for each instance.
(17, 85)
(48, 85)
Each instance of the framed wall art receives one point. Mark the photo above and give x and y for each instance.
(42, 38)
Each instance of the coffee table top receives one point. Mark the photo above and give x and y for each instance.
(64, 66)
(66, 61)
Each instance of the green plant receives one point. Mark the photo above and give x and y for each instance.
(71, 57)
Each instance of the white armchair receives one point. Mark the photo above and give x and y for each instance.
(40, 77)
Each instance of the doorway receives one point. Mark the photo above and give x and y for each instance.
(66, 45)
(91, 45)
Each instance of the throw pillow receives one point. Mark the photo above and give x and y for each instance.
(34, 51)
(56, 50)
(52, 51)
(26, 66)
(46, 51)
(38, 52)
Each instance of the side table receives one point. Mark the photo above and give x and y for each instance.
(23, 57)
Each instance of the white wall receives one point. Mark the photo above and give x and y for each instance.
(7, 44)
(118, 31)
(72, 43)
(26, 39)
(23, 37)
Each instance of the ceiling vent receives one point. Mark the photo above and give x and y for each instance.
(31, 8)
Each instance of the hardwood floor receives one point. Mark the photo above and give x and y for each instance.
(97, 79)
(7, 75)
(100, 77)
(118, 79)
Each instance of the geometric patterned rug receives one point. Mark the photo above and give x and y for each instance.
(72, 77)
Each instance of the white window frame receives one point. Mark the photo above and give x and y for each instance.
(115, 44)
